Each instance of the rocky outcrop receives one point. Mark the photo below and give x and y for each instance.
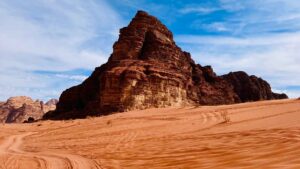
(251, 88)
(50, 105)
(19, 109)
(146, 69)
(51, 102)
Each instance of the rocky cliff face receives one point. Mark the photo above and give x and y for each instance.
(251, 88)
(19, 109)
(146, 69)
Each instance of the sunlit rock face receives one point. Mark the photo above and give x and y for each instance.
(146, 70)
(18, 109)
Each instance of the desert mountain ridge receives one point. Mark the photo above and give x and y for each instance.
(19, 109)
(146, 70)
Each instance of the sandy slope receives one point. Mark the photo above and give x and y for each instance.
(250, 135)
(10, 147)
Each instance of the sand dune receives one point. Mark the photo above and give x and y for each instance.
(251, 135)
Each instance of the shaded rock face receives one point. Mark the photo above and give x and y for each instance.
(146, 69)
(18, 109)
(251, 88)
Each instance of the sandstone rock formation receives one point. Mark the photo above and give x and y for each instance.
(146, 69)
(50, 105)
(251, 88)
(19, 109)
(51, 102)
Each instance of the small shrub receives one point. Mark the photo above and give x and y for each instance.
(108, 122)
(225, 117)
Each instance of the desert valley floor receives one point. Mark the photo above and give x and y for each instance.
(250, 135)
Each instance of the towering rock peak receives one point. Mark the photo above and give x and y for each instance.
(146, 69)
(135, 39)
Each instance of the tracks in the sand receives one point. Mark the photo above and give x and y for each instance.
(11, 149)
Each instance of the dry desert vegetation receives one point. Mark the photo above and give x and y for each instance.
(262, 134)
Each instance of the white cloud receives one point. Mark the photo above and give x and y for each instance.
(247, 16)
(52, 35)
(58, 33)
(211, 27)
(78, 78)
(257, 40)
(198, 9)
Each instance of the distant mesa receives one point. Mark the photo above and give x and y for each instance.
(147, 69)
(21, 109)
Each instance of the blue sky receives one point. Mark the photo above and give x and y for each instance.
(47, 46)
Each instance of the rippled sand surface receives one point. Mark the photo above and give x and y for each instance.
(251, 135)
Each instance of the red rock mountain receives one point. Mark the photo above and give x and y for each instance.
(19, 109)
(147, 69)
